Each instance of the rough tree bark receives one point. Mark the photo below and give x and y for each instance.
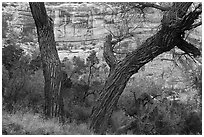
(175, 22)
(50, 60)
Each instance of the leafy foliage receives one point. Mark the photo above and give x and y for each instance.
(79, 64)
(11, 56)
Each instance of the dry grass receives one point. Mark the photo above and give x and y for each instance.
(34, 124)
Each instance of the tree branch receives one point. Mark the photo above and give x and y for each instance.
(144, 4)
(189, 19)
(121, 38)
(162, 59)
(195, 25)
(188, 48)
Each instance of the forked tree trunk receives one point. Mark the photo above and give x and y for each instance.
(169, 36)
(50, 60)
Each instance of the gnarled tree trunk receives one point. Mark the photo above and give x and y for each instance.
(174, 23)
(50, 60)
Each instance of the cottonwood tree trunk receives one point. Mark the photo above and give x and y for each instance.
(50, 60)
(175, 21)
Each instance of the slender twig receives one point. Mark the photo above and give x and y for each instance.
(196, 25)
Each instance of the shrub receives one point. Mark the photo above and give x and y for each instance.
(192, 124)
(75, 105)
(26, 91)
(81, 114)
(11, 55)
(165, 116)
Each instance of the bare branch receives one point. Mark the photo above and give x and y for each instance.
(142, 5)
(145, 4)
(195, 25)
(110, 31)
(188, 48)
(189, 19)
(120, 38)
(166, 59)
